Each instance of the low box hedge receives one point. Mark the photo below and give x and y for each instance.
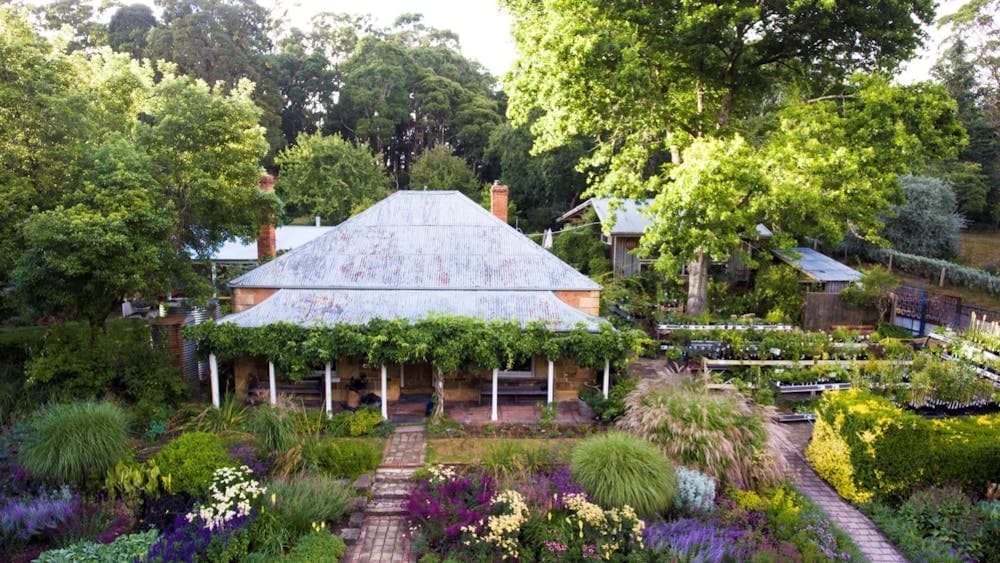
(868, 448)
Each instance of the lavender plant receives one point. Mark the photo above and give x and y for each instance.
(23, 519)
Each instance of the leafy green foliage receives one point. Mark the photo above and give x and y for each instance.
(191, 460)
(126, 547)
(329, 177)
(439, 169)
(874, 290)
(778, 293)
(612, 408)
(86, 361)
(75, 443)
(927, 223)
(724, 436)
(708, 137)
(447, 343)
(135, 482)
(316, 546)
(618, 470)
(361, 422)
(867, 448)
(112, 180)
(580, 246)
(341, 458)
(305, 500)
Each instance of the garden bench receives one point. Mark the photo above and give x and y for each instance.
(515, 388)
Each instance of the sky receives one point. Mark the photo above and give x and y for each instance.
(483, 30)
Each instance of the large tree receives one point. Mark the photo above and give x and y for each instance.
(329, 177)
(721, 110)
(112, 183)
(439, 169)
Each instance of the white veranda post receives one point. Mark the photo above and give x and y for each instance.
(493, 402)
(327, 388)
(213, 371)
(272, 383)
(607, 377)
(385, 398)
(552, 378)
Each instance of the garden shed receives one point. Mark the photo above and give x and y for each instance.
(415, 259)
(623, 222)
(819, 268)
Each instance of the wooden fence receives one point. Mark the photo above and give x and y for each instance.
(822, 311)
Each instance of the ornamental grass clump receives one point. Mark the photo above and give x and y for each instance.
(618, 470)
(301, 500)
(75, 443)
(724, 436)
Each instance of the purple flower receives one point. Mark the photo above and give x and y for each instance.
(190, 539)
(692, 539)
(24, 519)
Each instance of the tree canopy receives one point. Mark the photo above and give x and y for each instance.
(732, 114)
(439, 169)
(329, 177)
(112, 182)
(926, 223)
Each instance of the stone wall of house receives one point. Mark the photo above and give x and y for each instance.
(246, 297)
(586, 301)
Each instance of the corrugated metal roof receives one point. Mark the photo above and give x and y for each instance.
(420, 240)
(311, 307)
(817, 265)
(287, 238)
(626, 214)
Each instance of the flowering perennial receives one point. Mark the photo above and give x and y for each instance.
(230, 497)
(504, 529)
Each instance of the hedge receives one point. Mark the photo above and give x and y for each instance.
(867, 448)
(930, 268)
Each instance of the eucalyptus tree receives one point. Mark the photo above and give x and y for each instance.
(731, 113)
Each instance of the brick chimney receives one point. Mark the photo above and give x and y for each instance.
(498, 200)
(267, 245)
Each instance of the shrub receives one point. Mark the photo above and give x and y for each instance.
(23, 519)
(229, 416)
(344, 458)
(695, 491)
(75, 443)
(723, 436)
(191, 459)
(118, 359)
(620, 470)
(930, 268)
(192, 540)
(302, 500)
(926, 223)
(362, 422)
(316, 547)
(913, 545)
(129, 547)
(274, 430)
(612, 408)
(867, 448)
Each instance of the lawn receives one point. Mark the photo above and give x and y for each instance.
(472, 450)
(980, 249)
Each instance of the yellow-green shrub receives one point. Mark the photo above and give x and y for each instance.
(830, 455)
(866, 448)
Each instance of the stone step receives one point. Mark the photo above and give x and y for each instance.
(391, 490)
(386, 507)
(384, 474)
(409, 428)
(350, 535)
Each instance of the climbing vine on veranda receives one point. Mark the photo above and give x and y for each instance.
(449, 344)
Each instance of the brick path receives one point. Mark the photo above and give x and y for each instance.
(866, 536)
(384, 535)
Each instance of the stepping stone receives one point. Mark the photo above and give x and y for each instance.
(363, 482)
(359, 504)
(356, 519)
(350, 535)
(391, 490)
